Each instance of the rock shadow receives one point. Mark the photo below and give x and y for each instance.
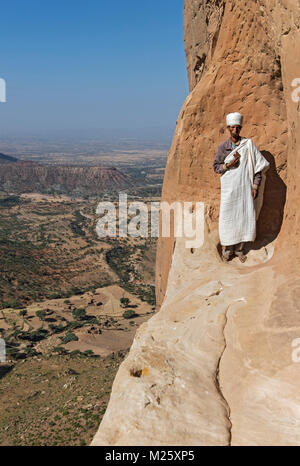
(270, 218)
(271, 215)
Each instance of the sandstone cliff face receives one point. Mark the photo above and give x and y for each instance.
(215, 366)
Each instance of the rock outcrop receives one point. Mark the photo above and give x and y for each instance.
(7, 158)
(26, 176)
(219, 363)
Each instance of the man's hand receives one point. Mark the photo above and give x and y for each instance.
(254, 193)
(235, 161)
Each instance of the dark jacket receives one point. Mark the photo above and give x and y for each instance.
(223, 150)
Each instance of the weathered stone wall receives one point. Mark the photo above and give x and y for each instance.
(218, 364)
(251, 60)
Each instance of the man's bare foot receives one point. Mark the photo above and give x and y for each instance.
(242, 257)
(226, 253)
(226, 256)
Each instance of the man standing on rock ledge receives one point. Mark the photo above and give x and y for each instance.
(242, 168)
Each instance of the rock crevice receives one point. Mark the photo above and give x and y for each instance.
(219, 383)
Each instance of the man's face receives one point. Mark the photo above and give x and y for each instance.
(235, 131)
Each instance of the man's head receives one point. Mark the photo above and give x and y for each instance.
(234, 123)
(235, 131)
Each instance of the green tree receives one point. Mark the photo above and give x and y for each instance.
(41, 314)
(69, 337)
(124, 302)
(79, 314)
(129, 313)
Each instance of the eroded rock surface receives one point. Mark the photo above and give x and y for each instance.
(216, 365)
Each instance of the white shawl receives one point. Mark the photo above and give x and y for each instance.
(238, 211)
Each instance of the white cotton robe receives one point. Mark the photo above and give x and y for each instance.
(238, 210)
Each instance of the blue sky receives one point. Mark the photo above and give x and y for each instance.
(74, 64)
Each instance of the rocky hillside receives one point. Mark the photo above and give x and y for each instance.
(26, 176)
(218, 364)
(7, 158)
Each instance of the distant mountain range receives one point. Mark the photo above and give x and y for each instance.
(25, 176)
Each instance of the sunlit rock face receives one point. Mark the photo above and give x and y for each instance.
(219, 363)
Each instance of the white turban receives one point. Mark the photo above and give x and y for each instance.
(234, 119)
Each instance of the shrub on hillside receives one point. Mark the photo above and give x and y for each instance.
(79, 314)
(69, 337)
(129, 314)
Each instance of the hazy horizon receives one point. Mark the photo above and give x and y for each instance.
(159, 134)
